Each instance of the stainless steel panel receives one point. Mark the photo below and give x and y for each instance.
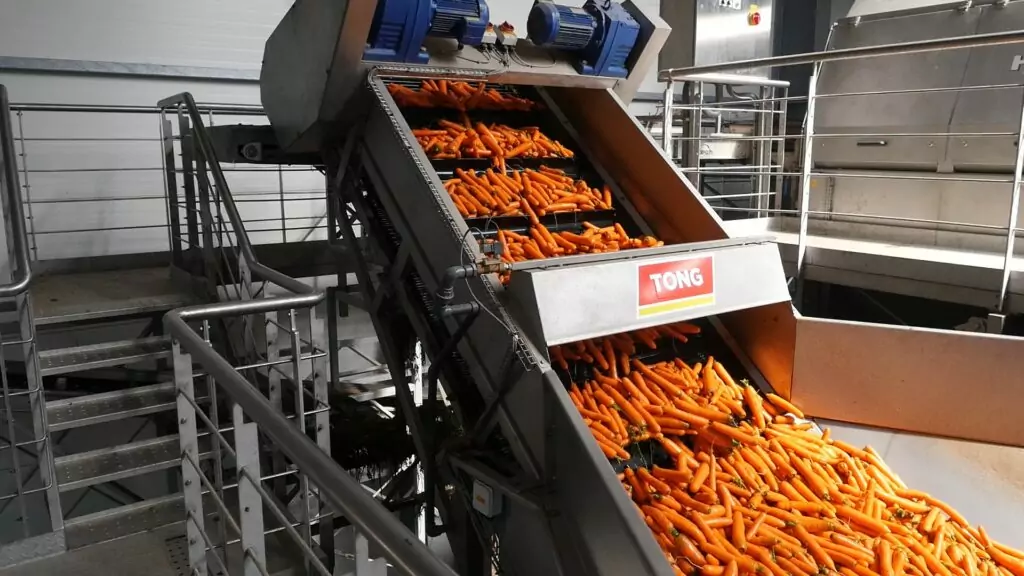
(311, 66)
(911, 379)
(562, 299)
(989, 110)
(713, 32)
(918, 113)
(653, 33)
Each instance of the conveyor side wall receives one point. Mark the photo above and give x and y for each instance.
(955, 384)
(591, 526)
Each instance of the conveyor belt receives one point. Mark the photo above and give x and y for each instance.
(582, 522)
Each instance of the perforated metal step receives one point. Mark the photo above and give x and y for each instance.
(124, 520)
(118, 462)
(78, 358)
(69, 413)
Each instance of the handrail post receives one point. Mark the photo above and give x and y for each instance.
(666, 124)
(805, 184)
(188, 438)
(1011, 225)
(250, 505)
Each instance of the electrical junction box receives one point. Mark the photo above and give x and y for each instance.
(485, 500)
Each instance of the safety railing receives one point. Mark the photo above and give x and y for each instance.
(279, 389)
(25, 445)
(726, 127)
(314, 486)
(91, 177)
(810, 174)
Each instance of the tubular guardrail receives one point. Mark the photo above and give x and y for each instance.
(806, 172)
(318, 476)
(398, 544)
(117, 159)
(25, 485)
(746, 128)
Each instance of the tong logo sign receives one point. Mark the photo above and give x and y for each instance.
(675, 285)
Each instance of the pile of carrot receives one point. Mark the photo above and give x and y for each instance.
(453, 140)
(547, 190)
(754, 490)
(458, 95)
(603, 352)
(540, 242)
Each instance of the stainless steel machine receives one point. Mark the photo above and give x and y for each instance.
(524, 486)
(913, 159)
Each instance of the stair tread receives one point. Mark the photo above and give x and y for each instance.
(77, 358)
(124, 520)
(117, 462)
(69, 413)
(89, 296)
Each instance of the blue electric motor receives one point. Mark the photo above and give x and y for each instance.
(400, 26)
(603, 34)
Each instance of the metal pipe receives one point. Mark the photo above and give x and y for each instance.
(1011, 225)
(231, 109)
(805, 183)
(956, 42)
(666, 122)
(343, 492)
(21, 268)
(731, 80)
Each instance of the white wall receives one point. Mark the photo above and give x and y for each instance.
(227, 34)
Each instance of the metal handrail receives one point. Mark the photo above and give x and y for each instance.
(976, 40)
(226, 109)
(398, 544)
(21, 269)
(206, 148)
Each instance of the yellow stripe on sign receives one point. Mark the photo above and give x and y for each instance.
(677, 305)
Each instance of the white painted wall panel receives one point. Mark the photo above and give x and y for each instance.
(223, 33)
(125, 164)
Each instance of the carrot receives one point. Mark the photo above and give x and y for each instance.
(785, 405)
(699, 477)
(739, 535)
(736, 434)
(885, 558)
(754, 402)
(755, 526)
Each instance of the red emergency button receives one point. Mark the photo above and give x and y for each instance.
(753, 15)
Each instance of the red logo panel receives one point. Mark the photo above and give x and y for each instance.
(674, 285)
